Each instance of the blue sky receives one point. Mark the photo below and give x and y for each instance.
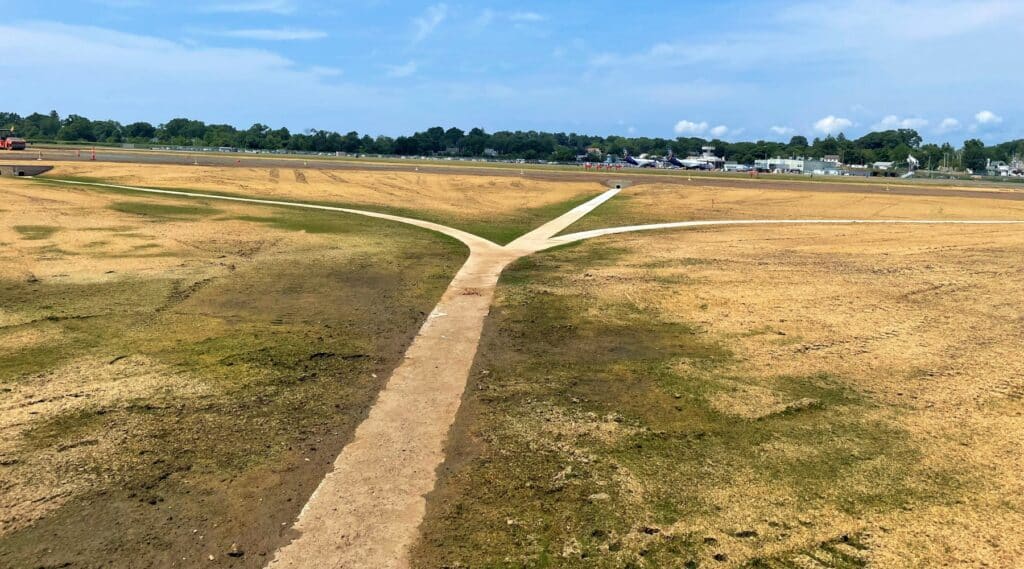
(732, 69)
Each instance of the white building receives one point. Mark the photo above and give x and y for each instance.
(780, 165)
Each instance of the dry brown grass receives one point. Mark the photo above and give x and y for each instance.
(456, 196)
(917, 328)
(920, 325)
(926, 322)
(655, 203)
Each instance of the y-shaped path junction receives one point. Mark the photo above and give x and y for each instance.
(367, 511)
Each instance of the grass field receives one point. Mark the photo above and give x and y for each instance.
(657, 203)
(747, 397)
(497, 208)
(179, 374)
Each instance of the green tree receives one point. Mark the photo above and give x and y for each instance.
(900, 153)
(453, 138)
(107, 131)
(350, 143)
(974, 158)
(140, 130)
(563, 154)
(182, 129)
(77, 128)
(475, 142)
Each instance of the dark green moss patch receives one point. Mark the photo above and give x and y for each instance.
(35, 232)
(163, 210)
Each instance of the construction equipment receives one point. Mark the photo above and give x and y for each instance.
(10, 142)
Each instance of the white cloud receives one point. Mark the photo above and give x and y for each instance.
(426, 24)
(892, 122)
(278, 34)
(782, 130)
(689, 127)
(404, 70)
(519, 19)
(280, 7)
(719, 131)
(832, 125)
(949, 124)
(171, 78)
(907, 24)
(988, 117)
(526, 17)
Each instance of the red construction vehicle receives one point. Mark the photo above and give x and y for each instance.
(10, 142)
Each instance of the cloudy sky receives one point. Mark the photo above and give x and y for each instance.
(731, 69)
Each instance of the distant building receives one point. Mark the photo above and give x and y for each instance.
(780, 165)
(1000, 168)
(595, 151)
(825, 167)
(490, 153)
(735, 167)
(832, 159)
(797, 165)
(883, 165)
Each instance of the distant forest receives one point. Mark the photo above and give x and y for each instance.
(890, 145)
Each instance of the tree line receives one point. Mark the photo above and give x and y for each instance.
(885, 146)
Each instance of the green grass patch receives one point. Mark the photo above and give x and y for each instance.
(675, 263)
(35, 232)
(507, 227)
(612, 213)
(164, 211)
(64, 428)
(312, 222)
(80, 317)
